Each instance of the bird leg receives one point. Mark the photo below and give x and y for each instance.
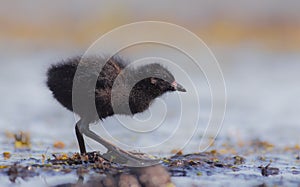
(80, 139)
(115, 154)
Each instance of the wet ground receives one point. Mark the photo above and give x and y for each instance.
(253, 163)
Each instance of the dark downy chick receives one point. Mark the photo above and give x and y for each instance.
(110, 86)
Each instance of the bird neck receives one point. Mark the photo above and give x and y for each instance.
(141, 97)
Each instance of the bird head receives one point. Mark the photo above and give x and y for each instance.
(151, 81)
(160, 79)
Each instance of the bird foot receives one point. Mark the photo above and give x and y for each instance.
(128, 159)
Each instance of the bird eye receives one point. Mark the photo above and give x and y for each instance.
(153, 80)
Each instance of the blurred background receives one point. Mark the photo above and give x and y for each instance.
(257, 44)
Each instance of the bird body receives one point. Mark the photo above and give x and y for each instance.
(109, 86)
(61, 78)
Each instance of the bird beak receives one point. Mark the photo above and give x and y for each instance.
(178, 87)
